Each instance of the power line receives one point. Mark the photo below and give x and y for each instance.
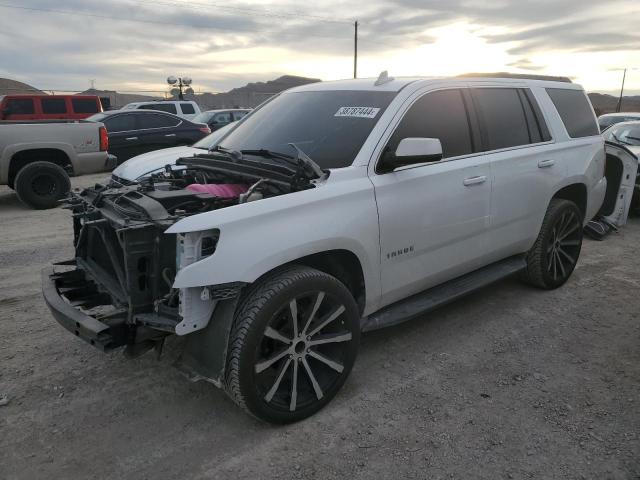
(152, 22)
(248, 11)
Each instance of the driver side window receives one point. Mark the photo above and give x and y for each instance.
(440, 115)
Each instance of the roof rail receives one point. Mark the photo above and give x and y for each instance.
(523, 76)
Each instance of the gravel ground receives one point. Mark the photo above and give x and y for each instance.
(511, 382)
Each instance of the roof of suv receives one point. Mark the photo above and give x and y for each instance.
(398, 83)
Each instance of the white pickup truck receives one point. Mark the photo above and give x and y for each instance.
(333, 209)
(36, 158)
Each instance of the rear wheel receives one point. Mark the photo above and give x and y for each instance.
(41, 184)
(555, 254)
(294, 341)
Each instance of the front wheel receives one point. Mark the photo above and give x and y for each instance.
(294, 341)
(554, 256)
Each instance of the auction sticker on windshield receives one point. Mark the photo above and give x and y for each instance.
(357, 112)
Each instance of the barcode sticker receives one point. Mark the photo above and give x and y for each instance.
(357, 112)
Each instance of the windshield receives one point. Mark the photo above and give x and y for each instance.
(628, 134)
(210, 140)
(329, 126)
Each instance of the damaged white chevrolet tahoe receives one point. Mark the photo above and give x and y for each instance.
(333, 209)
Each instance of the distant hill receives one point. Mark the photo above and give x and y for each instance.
(252, 94)
(14, 87)
(603, 103)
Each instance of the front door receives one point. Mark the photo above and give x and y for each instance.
(434, 217)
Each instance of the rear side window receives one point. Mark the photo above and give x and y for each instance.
(187, 108)
(503, 117)
(239, 115)
(441, 115)
(575, 111)
(222, 118)
(156, 121)
(85, 105)
(53, 105)
(120, 123)
(20, 106)
(163, 107)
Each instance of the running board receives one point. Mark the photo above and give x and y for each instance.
(440, 295)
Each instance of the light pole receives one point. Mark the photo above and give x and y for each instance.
(181, 82)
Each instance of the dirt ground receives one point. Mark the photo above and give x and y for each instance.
(511, 382)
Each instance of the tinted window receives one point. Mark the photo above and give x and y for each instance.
(575, 111)
(163, 107)
(156, 121)
(20, 106)
(239, 115)
(187, 108)
(439, 115)
(329, 126)
(503, 117)
(120, 123)
(53, 105)
(85, 105)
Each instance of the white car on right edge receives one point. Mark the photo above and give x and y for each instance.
(333, 209)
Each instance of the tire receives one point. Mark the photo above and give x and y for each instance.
(275, 375)
(41, 184)
(555, 253)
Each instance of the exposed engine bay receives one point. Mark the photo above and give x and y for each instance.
(124, 265)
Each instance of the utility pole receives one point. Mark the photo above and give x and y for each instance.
(355, 50)
(619, 106)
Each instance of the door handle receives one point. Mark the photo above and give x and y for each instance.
(546, 163)
(170, 135)
(474, 180)
(131, 138)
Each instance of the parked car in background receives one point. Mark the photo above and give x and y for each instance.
(627, 134)
(333, 209)
(136, 168)
(184, 108)
(36, 158)
(48, 107)
(219, 118)
(605, 121)
(133, 132)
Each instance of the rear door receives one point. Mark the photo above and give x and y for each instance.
(524, 168)
(156, 131)
(434, 217)
(123, 137)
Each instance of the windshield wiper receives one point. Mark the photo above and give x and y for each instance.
(234, 154)
(620, 141)
(263, 152)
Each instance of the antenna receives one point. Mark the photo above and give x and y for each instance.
(92, 83)
(383, 78)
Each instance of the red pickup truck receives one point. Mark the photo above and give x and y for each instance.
(48, 107)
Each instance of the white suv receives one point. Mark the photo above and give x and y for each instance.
(334, 208)
(182, 108)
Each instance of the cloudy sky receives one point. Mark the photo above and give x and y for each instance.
(132, 45)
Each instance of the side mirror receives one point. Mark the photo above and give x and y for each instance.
(5, 113)
(411, 151)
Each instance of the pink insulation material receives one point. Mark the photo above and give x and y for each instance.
(227, 190)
